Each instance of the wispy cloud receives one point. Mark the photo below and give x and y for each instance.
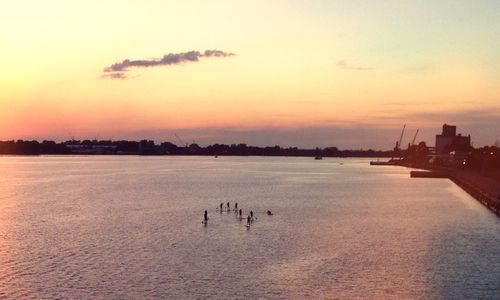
(421, 68)
(344, 64)
(487, 116)
(344, 137)
(117, 70)
(114, 75)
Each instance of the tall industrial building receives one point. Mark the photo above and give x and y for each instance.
(449, 139)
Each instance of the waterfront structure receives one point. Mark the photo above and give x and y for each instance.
(90, 148)
(449, 141)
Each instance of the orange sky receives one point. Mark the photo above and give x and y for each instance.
(304, 73)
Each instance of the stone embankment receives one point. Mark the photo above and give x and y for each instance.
(483, 188)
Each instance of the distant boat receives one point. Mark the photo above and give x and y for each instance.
(382, 163)
(318, 157)
(216, 156)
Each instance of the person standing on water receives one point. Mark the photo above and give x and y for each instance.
(248, 221)
(240, 212)
(236, 206)
(221, 206)
(205, 216)
(251, 215)
(228, 207)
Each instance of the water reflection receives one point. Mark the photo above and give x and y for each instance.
(8, 190)
(130, 227)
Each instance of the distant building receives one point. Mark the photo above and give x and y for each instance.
(449, 141)
(90, 148)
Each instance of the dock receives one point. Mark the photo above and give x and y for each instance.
(382, 163)
(479, 187)
(482, 188)
(429, 174)
(481, 194)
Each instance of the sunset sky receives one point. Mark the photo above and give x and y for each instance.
(304, 73)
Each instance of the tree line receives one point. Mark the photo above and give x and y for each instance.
(148, 147)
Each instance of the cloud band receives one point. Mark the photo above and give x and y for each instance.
(116, 70)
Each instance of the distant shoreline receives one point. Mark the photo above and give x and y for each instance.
(173, 155)
(148, 147)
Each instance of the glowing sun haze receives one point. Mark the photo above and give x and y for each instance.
(302, 73)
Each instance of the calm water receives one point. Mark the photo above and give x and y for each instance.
(130, 227)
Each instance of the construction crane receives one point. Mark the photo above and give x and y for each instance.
(414, 138)
(181, 141)
(398, 143)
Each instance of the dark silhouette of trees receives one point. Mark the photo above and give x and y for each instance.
(148, 147)
(20, 147)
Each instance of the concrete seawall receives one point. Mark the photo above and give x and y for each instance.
(490, 201)
(482, 188)
(429, 174)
